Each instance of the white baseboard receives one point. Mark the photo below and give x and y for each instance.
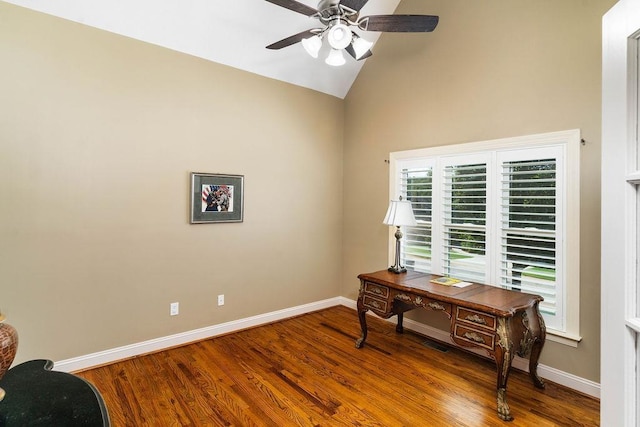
(75, 364)
(109, 356)
(557, 376)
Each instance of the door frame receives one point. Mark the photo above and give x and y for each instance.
(619, 299)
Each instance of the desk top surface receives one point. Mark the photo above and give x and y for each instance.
(498, 301)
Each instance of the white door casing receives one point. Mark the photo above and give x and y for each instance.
(620, 217)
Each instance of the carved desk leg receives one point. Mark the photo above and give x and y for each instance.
(362, 315)
(504, 357)
(540, 334)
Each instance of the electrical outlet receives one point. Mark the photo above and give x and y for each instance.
(174, 309)
(220, 299)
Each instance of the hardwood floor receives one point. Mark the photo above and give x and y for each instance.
(306, 371)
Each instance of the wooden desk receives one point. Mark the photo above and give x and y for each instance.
(501, 322)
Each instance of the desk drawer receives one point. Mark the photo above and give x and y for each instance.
(376, 290)
(375, 304)
(474, 336)
(476, 318)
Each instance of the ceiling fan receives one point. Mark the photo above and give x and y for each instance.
(337, 18)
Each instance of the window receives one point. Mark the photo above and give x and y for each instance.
(502, 212)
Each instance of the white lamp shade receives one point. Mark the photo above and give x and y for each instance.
(335, 58)
(339, 36)
(312, 45)
(361, 46)
(399, 213)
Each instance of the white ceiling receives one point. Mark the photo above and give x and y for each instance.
(230, 32)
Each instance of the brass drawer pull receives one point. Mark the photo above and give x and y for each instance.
(472, 336)
(375, 304)
(476, 319)
(436, 306)
(376, 290)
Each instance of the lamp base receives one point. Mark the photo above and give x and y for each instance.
(397, 269)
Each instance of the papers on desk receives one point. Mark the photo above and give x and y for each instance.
(462, 284)
(450, 281)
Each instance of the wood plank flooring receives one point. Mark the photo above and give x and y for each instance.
(306, 371)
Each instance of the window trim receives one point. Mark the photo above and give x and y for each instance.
(569, 140)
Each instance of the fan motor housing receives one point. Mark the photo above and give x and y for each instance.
(325, 4)
(329, 10)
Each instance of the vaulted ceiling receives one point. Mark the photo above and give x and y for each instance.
(232, 32)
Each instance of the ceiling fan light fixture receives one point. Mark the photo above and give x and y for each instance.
(312, 45)
(335, 58)
(339, 36)
(360, 46)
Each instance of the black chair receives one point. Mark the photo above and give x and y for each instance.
(38, 396)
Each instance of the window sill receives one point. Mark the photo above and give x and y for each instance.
(563, 338)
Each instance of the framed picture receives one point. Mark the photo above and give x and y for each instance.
(216, 198)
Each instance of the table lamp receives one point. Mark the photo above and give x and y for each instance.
(399, 213)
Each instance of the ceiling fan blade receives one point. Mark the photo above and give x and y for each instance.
(399, 23)
(295, 6)
(354, 4)
(352, 52)
(292, 39)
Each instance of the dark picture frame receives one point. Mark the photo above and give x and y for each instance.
(216, 198)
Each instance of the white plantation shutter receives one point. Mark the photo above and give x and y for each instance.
(416, 185)
(464, 226)
(530, 185)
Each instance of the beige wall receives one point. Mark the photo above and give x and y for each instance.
(98, 135)
(492, 69)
